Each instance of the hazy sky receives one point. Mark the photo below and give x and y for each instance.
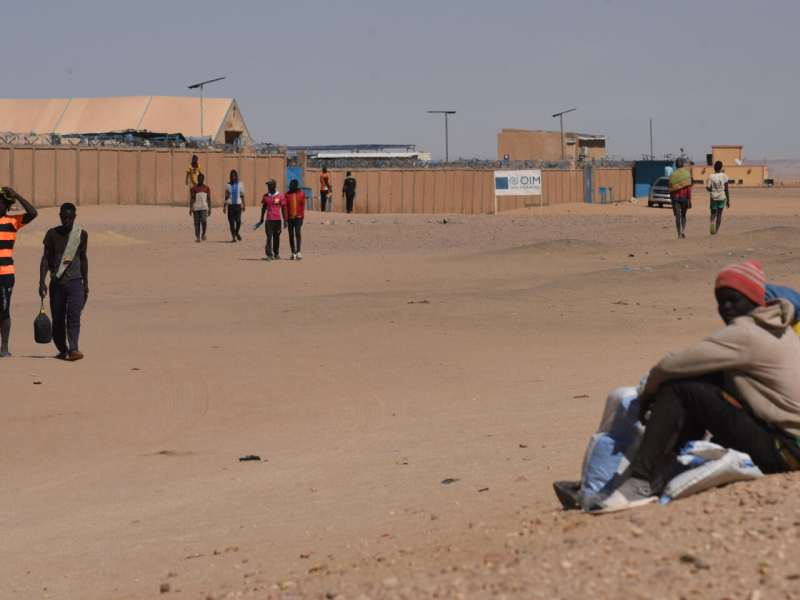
(308, 72)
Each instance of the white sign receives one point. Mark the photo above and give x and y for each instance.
(518, 183)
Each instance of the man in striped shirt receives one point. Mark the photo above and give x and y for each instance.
(9, 225)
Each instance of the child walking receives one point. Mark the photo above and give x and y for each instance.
(717, 186)
(295, 211)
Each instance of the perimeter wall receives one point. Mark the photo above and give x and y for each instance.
(464, 191)
(50, 175)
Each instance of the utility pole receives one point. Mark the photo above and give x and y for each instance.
(560, 116)
(652, 155)
(202, 85)
(446, 113)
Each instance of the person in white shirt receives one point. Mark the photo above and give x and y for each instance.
(234, 205)
(717, 186)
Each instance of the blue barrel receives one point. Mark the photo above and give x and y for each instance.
(309, 197)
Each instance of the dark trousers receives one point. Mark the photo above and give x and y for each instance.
(349, 197)
(295, 227)
(235, 219)
(200, 222)
(679, 209)
(323, 200)
(66, 303)
(273, 230)
(684, 410)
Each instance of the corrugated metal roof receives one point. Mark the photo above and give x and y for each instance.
(167, 114)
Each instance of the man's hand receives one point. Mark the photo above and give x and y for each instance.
(85, 294)
(244, 207)
(42, 290)
(10, 192)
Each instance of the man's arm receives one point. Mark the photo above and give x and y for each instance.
(191, 199)
(208, 199)
(44, 266)
(84, 262)
(241, 197)
(30, 210)
(727, 195)
(263, 211)
(729, 348)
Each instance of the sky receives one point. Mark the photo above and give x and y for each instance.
(353, 71)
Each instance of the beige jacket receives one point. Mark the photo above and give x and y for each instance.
(759, 355)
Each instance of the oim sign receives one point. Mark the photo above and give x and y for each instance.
(518, 183)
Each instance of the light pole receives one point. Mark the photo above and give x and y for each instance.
(202, 85)
(446, 113)
(560, 116)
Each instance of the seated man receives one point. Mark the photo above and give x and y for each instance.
(742, 384)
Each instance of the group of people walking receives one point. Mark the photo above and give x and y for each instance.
(680, 193)
(64, 258)
(278, 210)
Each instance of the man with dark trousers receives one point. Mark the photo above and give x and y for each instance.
(349, 191)
(66, 260)
(9, 225)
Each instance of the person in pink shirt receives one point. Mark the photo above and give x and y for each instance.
(273, 206)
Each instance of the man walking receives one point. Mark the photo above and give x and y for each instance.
(200, 207)
(680, 192)
(65, 258)
(234, 204)
(349, 191)
(9, 225)
(717, 187)
(324, 188)
(193, 172)
(295, 211)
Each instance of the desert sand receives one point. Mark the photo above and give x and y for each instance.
(401, 353)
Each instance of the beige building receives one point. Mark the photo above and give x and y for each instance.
(222, 119)
(738, 173)
(526, 144)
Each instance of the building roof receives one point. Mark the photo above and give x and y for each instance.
(727, 146)
(166, 114)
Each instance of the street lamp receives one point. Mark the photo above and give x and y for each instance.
(446, 113)
(201, 85)
(560, 116)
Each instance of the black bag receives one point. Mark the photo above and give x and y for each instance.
(42, 327)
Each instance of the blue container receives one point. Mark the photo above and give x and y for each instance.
(645, 172)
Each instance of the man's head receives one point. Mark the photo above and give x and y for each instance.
(718, 166)
(324, 169)
(194, 161)
(271, 186)
(739, 289)
(67, 214)
(679, 163)
(5, 204)
(349, 173)
(234, 176)
(293, 185)
(200, 179)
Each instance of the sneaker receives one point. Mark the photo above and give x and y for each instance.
(713, 229)
(293, 257)
(61, 356)
(568, 493)
(268, 257)
(631, 493)
(4, 353)
(277, 257)
(238, 237)
(204, 237)
(299, 256)
(74, 355)
(197, 240)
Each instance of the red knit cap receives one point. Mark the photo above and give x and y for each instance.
(747, 278)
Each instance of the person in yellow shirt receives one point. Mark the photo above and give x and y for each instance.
(193, 171)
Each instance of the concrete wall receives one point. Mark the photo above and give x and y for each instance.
(744, 175)
(49, 176)
(523, 144)
(727, 154)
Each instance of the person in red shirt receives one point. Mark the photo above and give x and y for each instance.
(273, 205)
(295, 211)
(9, 225)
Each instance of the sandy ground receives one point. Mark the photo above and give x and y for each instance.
(401, 352)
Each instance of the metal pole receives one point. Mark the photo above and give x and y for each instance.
(652, 155)
(201, 111)
(446, 141)
(563, 151)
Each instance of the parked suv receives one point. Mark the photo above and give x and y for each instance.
(659, 193)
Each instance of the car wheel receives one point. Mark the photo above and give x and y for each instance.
(649, 204)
